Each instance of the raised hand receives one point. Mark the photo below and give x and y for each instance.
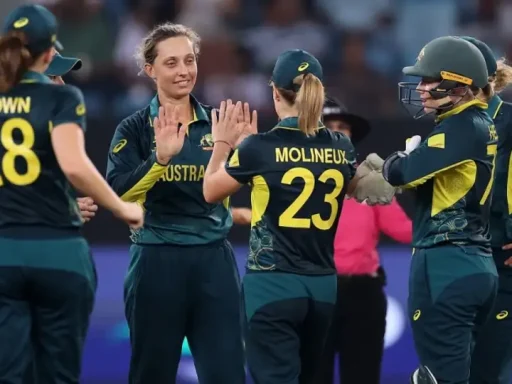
(248, 123)
(225, 128)
(169, 136)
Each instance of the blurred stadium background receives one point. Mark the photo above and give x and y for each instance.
(363, 45)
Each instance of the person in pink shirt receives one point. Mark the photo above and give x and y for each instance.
(359, 323)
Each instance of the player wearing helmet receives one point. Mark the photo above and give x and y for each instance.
(453, 279)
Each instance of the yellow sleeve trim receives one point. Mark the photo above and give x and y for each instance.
(234, 161)
(436, 141)
(139, 190)
(424, 179)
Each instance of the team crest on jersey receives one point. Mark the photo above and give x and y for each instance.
(206, 142)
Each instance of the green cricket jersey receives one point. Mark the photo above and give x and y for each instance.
(172, 195)
(33, 190)
(298, 186)
(451, 172)
(501, 206)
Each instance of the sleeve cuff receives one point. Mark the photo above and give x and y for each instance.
(155, 160)
(386, 167)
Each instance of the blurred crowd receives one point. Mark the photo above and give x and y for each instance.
(363, 44)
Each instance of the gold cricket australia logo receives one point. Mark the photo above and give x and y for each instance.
(206, 142)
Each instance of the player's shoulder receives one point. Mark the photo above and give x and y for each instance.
(66, 92)
(252, 142)
(207, 108)
(334, 139)
(506, 110)
(134, 123)
(469, 123)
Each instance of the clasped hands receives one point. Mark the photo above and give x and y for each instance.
(371, 187)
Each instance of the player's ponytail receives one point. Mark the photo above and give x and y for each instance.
(503, 76)
(309, 102)
(15, 59)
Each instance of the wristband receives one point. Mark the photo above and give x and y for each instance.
(223, 141)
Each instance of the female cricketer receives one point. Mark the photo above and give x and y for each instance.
(359, 323)
(47, 275)
(182, 280)
(491, 362)
(298, 188)
(453, 279)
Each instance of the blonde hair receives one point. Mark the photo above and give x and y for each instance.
(497, 83)
(309, 100)
(503, 75)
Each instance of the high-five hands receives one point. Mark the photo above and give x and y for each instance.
(225, 127)
(234, 123)
(248, 123)
(169, 135)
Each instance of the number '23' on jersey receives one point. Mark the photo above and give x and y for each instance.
(33, 189)
(298, 186)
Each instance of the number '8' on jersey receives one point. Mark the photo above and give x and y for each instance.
(33, 189)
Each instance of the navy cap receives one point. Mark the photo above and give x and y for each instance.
(37, 23)
(61, 65)
(487, 53)
(293, 63)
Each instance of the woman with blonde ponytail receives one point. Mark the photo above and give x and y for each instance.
(299, 173)
(491, 362)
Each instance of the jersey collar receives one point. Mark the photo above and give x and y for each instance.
(473, 103)
(34, 77)
(292, 123)
(199, 112)
(495, 104)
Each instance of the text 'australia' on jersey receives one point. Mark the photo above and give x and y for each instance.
(298, 186)
(172, 195)
(33, 189)
(452, 174)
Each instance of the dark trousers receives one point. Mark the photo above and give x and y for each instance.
(451, 294)
(287, 320)
(491, 362)
(357, 331)
(47, 290)
(174, 292)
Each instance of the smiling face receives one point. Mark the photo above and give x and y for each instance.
(175, 67)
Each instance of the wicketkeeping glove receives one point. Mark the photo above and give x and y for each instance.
(371, 187)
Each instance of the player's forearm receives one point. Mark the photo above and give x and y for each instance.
(218, 159)
(211, 191)
(410, 171)
(69, 148)
(241, 216)
(86, 178)
(134, 184)
(392, 170)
